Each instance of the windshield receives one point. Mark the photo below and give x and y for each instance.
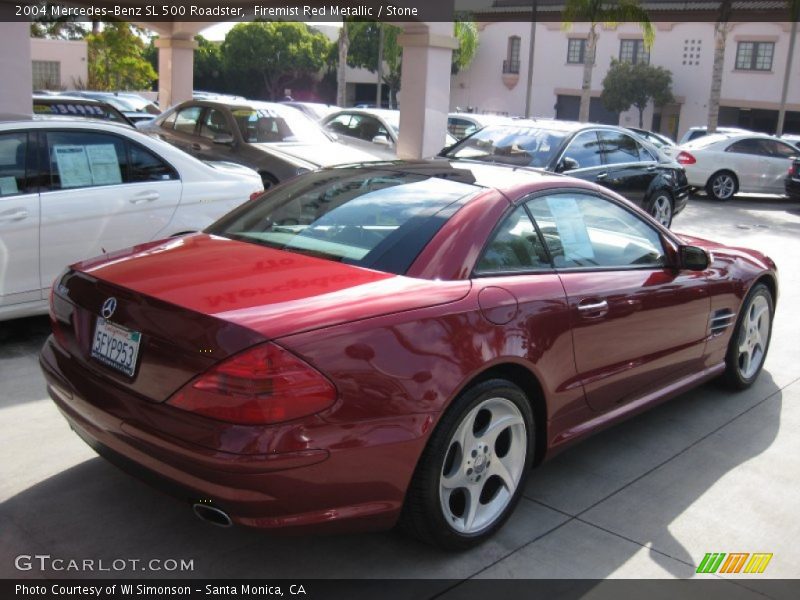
(275, 123)
(373, 218)
(510, 144)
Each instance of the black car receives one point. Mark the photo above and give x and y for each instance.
(277, 141)
(604, 154)
(73, 106)
(793, 180)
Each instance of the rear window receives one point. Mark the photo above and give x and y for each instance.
(378, 219)
(276, 123)
(511, 145)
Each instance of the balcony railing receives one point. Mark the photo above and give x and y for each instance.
(511, 67)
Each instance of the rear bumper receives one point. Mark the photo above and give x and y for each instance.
(309, 490)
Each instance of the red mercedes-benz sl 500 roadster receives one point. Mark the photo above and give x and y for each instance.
(391, 343)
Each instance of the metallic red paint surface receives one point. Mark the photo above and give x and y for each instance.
(398, 349)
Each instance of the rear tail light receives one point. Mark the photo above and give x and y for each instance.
(263, 385)
(685, 158)
(255, 195)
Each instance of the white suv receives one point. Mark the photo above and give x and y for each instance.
(72, 189)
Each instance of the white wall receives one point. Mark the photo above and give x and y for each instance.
(71, 55)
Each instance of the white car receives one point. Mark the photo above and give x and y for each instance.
(374, 130)
(73, 189)
(724, 164)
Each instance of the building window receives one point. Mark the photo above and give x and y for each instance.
(633, 51)
(691, 52)
(511, 63)
(46, 75)
(754, 56)
(576, 51)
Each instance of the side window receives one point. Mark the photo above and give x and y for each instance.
(591, 232)
(214, 125)
(748, 146)
(146, 166)
(646, 155)
(619, 148)
(368, 128)
(460, 128)
(82, 159)
(781, 150)
(584, 149)
(341, 124)
(186, 121)
(515, 247)
(169, 122)
(13, 154)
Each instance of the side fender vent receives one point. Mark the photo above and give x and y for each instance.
(720, 321)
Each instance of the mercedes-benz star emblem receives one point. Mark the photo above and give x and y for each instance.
(109, 306)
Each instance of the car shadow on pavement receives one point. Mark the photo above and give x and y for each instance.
(20, 375)
(94, 511)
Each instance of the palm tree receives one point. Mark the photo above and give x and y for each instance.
(794, 14)
(720, 37)
(609, 13)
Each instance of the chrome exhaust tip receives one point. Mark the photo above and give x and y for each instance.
(212, 514)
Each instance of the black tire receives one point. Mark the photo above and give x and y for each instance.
(661, 207)
(423, 513)
(722, 185)
(735, 376)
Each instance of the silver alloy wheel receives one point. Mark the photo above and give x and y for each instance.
(723, 186)
(483, 465)
(753, 337)
(662, 210)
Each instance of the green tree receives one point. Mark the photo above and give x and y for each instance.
(343, 47)
(263, 58)
(65, 28)
(364, 50)
(209, 71)
(627, 85)
(117, 60)
(606, 12)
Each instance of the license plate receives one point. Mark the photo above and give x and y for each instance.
(115, 346)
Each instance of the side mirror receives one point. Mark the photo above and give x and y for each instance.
(693, 258)
(567, 164)
(382, 140)
(223, 138)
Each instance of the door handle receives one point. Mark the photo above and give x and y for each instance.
(602, 175)
(14, 216)
(144, 197)
(592, 308)
(651, 167)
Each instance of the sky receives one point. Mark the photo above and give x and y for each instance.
(218, 32)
